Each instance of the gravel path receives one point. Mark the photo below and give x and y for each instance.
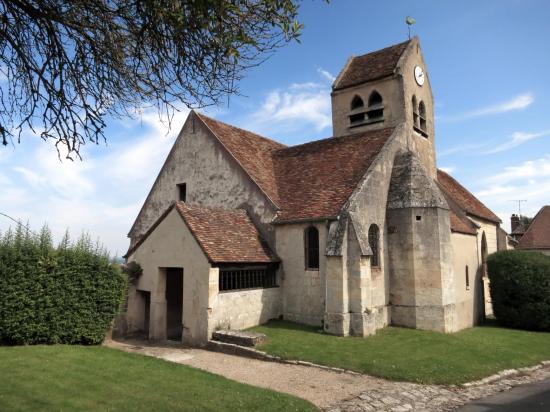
(321, 387)
(333, 391)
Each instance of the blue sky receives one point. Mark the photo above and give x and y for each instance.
(488, 63)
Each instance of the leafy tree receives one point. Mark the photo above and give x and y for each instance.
(70, 63)
(525, 221)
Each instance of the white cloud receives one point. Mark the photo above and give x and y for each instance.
(517, 139)
(300, 106)
(517, 103)
(474, 147)
(529, 180)
(530, 169)
(326, 74)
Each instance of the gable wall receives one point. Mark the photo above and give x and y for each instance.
(171, 244)
(213, 178)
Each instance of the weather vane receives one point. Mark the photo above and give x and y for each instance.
(410, 21)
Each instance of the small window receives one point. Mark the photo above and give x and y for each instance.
(356, 103)
(415, 111)
(374, 243)
(312, 248)
(467, 278)
(182, 192)
(376, 107)
(238, 278)
(357, 115)
(418, 218)
(422, 116)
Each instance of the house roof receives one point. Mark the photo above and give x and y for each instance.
(537, 235)
(464, 199)
(225, 236)
(316, 179)
(309, 181)
(371, 66)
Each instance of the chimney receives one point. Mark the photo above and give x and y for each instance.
(514, 222)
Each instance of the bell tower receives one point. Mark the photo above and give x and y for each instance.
(387, 88)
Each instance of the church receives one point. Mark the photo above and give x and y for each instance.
(351, 233)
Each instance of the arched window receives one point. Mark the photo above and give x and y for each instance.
(376, 107)
(422, 116)
(357, 114)
(374, 243)
(312, 248)
(356, 103)
(415, 111)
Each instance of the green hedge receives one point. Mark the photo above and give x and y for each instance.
(64, 294)
(520, 289)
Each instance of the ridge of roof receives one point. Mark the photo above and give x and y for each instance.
(537, 235)
(370, 66)
(464, 198)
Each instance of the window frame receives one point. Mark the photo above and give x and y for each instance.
(181, 186)
(308, 249)
(375, 261)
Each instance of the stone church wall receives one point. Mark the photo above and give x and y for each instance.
(303, 290)
(469, 299)
(243, 309)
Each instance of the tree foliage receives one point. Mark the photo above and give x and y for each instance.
(64, 294)
(67, 64)
(520, 288)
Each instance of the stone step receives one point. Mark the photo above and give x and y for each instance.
(238, 337)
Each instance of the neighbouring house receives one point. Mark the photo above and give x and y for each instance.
(537, 236)
(517, 227)
(350, 233)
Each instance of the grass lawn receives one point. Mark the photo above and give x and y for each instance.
(409, 354)
(78, 378)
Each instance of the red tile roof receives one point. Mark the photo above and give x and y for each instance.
(371, 66)
(308, 181)
(461, 224)
(315, 179)
(537, 235)
(225, 236)
(252, 151)
(464, 199)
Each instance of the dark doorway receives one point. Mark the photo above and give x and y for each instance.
(146, 297)
(174, 303)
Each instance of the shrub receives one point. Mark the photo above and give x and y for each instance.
(520, 288)
(64, 294)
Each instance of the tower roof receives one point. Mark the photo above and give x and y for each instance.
(370, 66)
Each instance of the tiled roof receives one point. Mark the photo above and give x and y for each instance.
(371, 66)
(252, 151)
(464, 199)
(308, 181)
(226, 236)
(315, 179)
(537, 235)
(461, 224)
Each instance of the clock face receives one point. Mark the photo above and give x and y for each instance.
(419, 75)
